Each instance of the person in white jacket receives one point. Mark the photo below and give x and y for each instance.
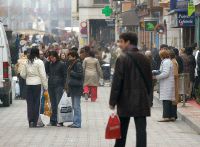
(35, 75)
(167, 86)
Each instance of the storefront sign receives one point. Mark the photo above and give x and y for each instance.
(110, 22)
(181, 19)
(150, 24)
(185, 21)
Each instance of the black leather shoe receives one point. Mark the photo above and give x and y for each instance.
(32, 125)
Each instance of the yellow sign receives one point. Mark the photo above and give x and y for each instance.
(191, 8)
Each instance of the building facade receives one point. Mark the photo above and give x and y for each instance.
(94, 28)
(180, 19)
(197, 22)
(29, 14)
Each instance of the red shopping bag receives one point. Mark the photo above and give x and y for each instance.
(113, 129)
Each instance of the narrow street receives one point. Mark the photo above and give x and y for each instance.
(14, 131)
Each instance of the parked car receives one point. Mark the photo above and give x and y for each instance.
(5, 69)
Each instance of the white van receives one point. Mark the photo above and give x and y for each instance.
(5, 69)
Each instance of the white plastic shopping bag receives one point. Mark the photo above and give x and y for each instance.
(17, 89)
(43, 119)
(65, 113)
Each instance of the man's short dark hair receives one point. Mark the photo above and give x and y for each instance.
(74, 49)
(131, 37)
(74, 54)
(164, 46)
(176, 51)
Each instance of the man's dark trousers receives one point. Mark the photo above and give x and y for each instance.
(141, 135)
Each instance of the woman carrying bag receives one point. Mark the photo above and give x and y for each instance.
(35, 75)
(75, 87)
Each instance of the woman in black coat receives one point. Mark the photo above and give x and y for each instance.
(75, 86)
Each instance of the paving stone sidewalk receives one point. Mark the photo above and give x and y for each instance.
(14, 131)
(190, 114)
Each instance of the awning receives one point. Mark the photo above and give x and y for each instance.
(130, 18)
(177, 10)
(30, 31)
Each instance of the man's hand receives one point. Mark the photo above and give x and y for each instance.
(112, 107)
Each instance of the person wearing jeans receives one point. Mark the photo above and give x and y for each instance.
(76, 105)
(75, 87)
(57, 72)
(55, 94)
(131, 89)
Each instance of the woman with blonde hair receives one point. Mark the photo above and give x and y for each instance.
(167, 85)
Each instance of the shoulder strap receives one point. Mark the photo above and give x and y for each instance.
(141, 73)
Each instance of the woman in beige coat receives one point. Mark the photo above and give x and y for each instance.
(92, 74)
(176, 80)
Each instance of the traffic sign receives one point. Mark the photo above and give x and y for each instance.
(107, 11)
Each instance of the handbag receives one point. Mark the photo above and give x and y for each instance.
(113, 129)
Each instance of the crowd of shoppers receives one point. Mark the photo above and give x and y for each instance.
(58, 72)
(78, 73)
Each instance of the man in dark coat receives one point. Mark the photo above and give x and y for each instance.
(131, 87)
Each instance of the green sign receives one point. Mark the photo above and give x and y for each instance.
(107, 11)
(150, 25)
(191, 8)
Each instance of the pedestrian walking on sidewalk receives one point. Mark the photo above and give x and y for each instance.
(197, 71)
(57, 73)
(167, 85)
(92, 75)
(186, 69)
(192, 66)
(106, 66)
(179, 60)
(131, 88)
(176, 82)
(75, 86)
(35, 75)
